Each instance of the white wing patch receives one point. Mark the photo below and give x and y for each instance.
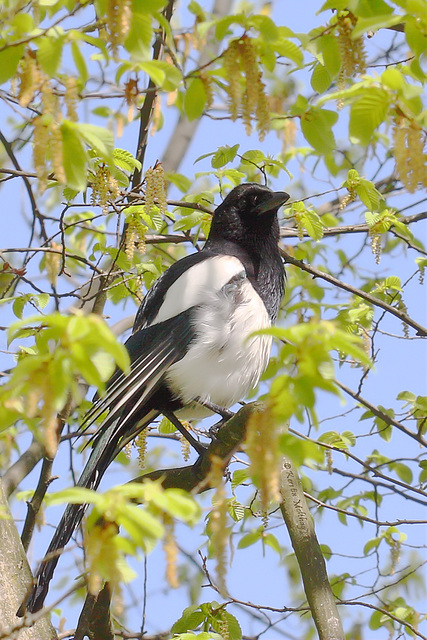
(196, 285)
(223, 363)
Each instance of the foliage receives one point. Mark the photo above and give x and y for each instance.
(335, 115)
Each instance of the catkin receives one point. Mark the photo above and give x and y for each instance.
(104, 188)
(218, 522)
(353, 55)
(171, 552)
(29, 78)
(71, 98)
(263, 450)
(409, 154)
(118, 15)
(155, 189)
(245, 88)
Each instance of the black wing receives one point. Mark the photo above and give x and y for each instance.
(155, 296)
(152, 351)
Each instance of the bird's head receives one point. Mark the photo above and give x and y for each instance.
(249, 210)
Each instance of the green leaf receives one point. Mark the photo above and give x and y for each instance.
(75, 495)
(335, 5)
(369, 194)
(385, 431)
(301, 452)
(188, 222)
(326, 551)
(9, 60)
(125, 160)
(265, 26)
(236, 511)
(74, 157)
(313, 224)
(191, 618)
(373, 23)
(393, 79)
(367, 8)
(289, 49)
(239, 477)
(221, 616)
(22, 24)
(194, 99)
(224, 155)
(180, 181)
(316, 126)
(49, 53)
(69, 194)
(320, 78)
(80, 62)
(249, 539)
(18, 306)
(415, 36)
(141, 524)
(101, 140)
(371, 544)
(166, 426)
(270, 540)
(329, 48)
(367, 113)
(393, 283)
(162, 74)
(403, 472)
(140, 34)
(377, 619)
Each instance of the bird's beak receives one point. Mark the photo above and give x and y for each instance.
(275, 201)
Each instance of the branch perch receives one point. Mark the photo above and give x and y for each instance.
(301, 530)
(195, 478)
(15, 578)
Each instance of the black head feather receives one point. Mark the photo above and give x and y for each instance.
(249, 211)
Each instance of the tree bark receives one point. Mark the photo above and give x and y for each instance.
(310, 559)
(15, 579)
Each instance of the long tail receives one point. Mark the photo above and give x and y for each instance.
(152, 351)
(105, 450)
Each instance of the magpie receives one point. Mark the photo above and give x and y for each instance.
(192, 349)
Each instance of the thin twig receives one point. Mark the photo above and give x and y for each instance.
(420, 330)
(380, 414)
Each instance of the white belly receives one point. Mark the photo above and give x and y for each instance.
(223, 363)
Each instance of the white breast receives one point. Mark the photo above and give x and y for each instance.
(223, 363)
(195, 285)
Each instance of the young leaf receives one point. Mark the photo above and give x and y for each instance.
(194, 99)
(74, 157)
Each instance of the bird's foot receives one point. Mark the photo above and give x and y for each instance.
(225, 413)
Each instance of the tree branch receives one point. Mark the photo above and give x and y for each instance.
(380, 414)
(195, 478)
(420, 330)
(22, 467)
(95, 618)
(15, 578)
(226, 442)
(44, 481)
(301, 530)
(36, 211)
(147, 107)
